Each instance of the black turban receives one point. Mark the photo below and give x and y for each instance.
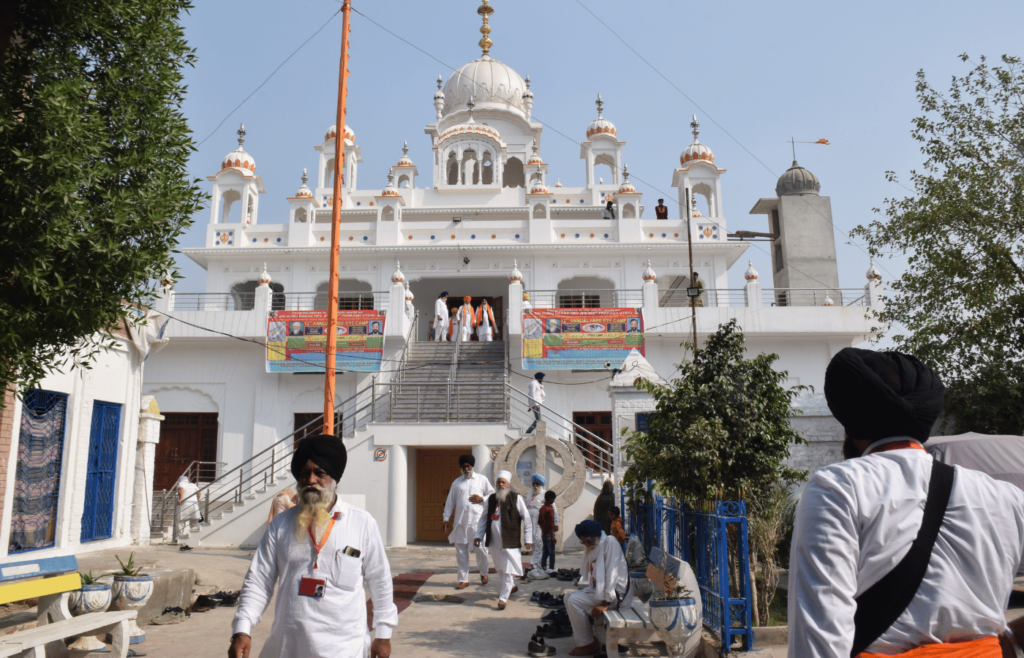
(875, 395)
(588, 528)
(467, 459)
(324, 450)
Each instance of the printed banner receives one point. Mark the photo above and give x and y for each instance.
(297, 341)
(580, 338)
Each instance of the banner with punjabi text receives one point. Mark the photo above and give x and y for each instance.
(580, 338)
(297, 341)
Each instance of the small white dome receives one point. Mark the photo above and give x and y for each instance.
(515, 274)
(304, 191)
(264, 278)
(408, 293)
(398, 276)
(535, 159)
(332, 132)
(828, 301)
(626, 187)
(558, 182)
(600, 125)
(696, 151)
(489, 83)
(751, 273)
(873, 273)
(390, 189)
(649, 274)
(538, 187)
(239, 159)
(405, 161)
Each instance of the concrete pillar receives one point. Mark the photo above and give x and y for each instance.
(398, 505)
(875, 294)
(515, 308)
(145, 456)
(397, 324)
(650, 293)
(752, 294)
(484, 463)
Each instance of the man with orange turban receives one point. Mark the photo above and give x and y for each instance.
(465, 320)
(485, 324)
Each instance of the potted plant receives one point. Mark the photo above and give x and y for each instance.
(93, 596)
(131, 591)
(674, 611)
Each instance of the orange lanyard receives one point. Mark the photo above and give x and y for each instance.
(897, 445)
(327, 534)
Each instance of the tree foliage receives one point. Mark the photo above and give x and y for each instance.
(722, 428)
(961, 298)
(94, 190)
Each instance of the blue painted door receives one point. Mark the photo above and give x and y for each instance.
(98, 514)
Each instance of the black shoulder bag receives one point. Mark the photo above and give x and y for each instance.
(881, 605)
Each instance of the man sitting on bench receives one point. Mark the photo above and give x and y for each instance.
(604, 566)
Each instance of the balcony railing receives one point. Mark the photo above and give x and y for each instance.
(586, 298)
(676, 297)
(214, 301)
(280, 301)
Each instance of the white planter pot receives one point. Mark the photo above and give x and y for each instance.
(91, 598)
(131, 593)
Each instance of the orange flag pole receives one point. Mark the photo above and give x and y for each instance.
(332, 285)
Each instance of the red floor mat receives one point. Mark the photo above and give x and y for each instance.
(405, 586)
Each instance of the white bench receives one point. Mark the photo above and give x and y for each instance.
(50, 580)
(633, 625)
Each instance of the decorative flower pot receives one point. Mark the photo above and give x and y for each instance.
(675, 619)
(131, 593)
(91, 598)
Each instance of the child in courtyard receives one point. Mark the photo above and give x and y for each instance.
(617, 531)
(546, 521)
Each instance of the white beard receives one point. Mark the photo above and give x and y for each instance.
(502, 494)
(314, 511)
(468, 476)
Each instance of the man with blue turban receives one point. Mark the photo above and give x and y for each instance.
(536, 502)
(605, 571)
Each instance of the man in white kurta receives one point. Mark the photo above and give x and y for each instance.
(485, 322)
(534, 505)
(466, 499)
(605, 571)
(320, 607)
(441, 317)
(508, 558)
(857, 519)
(465, 321)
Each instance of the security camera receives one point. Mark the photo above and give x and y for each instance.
(607, 364)
(465, 260)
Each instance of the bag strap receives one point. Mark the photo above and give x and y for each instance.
(880, 606)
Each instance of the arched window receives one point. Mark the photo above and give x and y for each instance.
(403, 181)
(228, 199)
(329, 173)
(488, 169)
(300, 216)
(452, 167)
(353, 295)
(586, 292)
(604, 168)
(538, 211)
(628, 211)
(388, 214)
(513, 175)
(243, 296)
(470, 168)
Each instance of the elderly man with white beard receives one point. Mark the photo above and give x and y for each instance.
(322, 551)
(604, 569)
(466, 500)
(499, 530)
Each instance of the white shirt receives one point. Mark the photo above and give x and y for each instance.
(536, 392)
(440, 311)
(606, 571)
(509, 560)
(189, 504)
(333, 626)
(467, 514)
(856, 520)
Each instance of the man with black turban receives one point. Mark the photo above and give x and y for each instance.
(892, 550)
(466, 499)
(322, 551)
(605, 571)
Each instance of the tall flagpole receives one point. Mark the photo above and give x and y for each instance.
(332, 285)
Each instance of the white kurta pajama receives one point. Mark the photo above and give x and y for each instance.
(484, 328)
(508, 562)
(333, 626)
(536, 502)
(464, 323)
(440, 320)
(609, 580)
(467, 520)
(856, 520)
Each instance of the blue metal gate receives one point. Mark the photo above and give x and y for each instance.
(37, 476)
(98, 513)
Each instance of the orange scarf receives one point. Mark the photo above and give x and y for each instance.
(480, 315)
(987, 647)
(468, 309)
(451, 323)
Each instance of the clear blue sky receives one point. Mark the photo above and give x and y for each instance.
(762, 71)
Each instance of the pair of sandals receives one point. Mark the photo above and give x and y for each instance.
(537, 648)
(555, 629)
(558, 616)
(537, 597)
(567, 575)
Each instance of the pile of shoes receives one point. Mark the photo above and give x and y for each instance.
(546, 600)
(537, 647)
(537, 574)
(568, 575)
(221, 599)
(558, 626)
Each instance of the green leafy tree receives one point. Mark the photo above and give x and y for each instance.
(961, 298)
(722, 428)
(94, 190)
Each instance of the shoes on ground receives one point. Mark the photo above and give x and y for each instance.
(483, 580)
(554, 631)
(515, 588)
(462, 585)
(541, 596)
(538, 647)
(537, 574)
(558, 615)
(553, 602)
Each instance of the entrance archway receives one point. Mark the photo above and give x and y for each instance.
(426, 290)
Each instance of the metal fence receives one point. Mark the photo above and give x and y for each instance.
(591, 298)
(702, 537)
(737, 297)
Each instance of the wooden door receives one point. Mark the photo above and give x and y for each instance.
(185, 438)
(435, 472)
(596, 447)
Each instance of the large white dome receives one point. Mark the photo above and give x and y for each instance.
(489, 82)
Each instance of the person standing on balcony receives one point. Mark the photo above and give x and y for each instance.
(466, 499)
(527, 306)
(534, 399)
(894, 553)
(605, 571)
(465, 320)
(441, 316)
(536, 502)
(322, 552)
(661, 210)
(485, 325)
(609, 210)
(499, 531)
(188, 503)
(695, 282)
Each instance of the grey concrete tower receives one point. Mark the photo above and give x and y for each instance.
(803, 242)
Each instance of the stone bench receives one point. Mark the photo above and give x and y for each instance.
(633, 625)
(51, 580)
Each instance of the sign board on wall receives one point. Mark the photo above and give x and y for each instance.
(297, 341)
(580, 338)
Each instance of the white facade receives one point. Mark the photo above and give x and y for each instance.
(486, 207)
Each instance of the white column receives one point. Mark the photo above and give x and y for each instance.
(145, 456)
(397, 324)
(515, 309)
(650, 292)
(398, 508)
(875, 295)
(484, 464)
(752, 294)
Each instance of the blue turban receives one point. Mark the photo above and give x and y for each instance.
(589, 528)
(539, 376)
(539, 479)
(444, 294)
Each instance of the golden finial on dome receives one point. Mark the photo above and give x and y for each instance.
(485, 10)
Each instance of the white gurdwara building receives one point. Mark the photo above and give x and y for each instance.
(484, 220)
